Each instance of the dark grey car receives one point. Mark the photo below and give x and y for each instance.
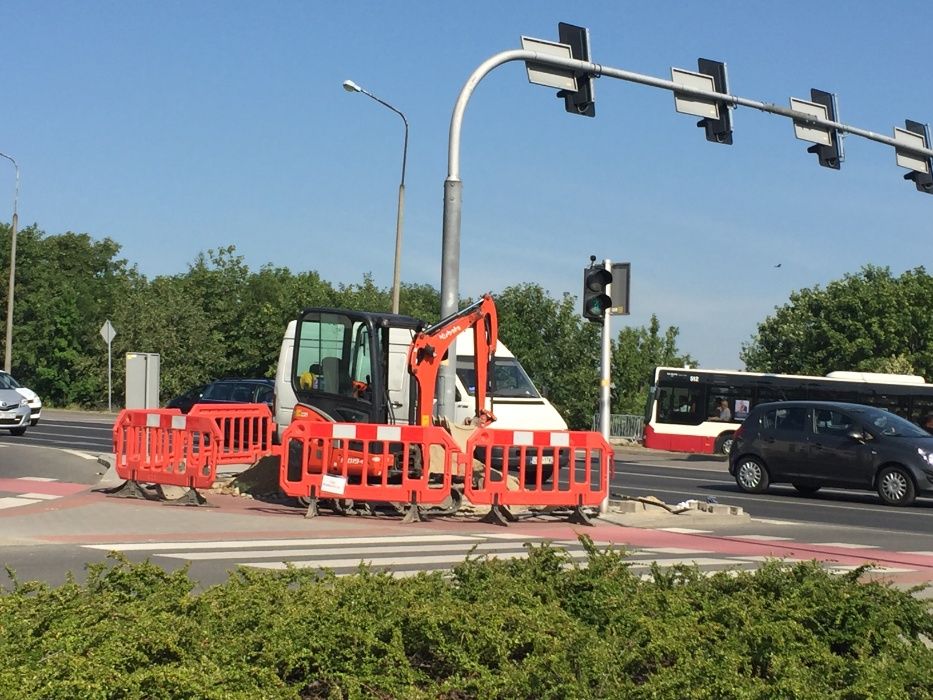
(812, 444)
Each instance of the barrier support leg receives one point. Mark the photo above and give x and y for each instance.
(129, 489)
(312, 511)
(580, 517)
(414, 514)
(498, 514)
(190, 497)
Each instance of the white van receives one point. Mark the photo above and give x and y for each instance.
(515, 401)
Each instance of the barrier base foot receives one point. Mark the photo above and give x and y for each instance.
(414, 514)
(578, 516)
(129, 489)
(499, 515)
(312, 511)
(190, 497)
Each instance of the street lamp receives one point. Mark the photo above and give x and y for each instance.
(8, 354)
(350, 86)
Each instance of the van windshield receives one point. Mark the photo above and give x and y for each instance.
(508, 381)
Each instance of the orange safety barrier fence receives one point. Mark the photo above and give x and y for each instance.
(552, 469)
(245, 429)
(404, 464)
(162, 446)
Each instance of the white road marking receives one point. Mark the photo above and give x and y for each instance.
(462, 550)
(82, 455)
(229, 544)
(674, 550)
(382, 561)
(699, 561)
(15, 502)
(844, 545)
(685, 531)
(35, 478)
(40, 496)
(763, 538)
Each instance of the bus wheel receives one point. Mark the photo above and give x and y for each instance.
(751, 475)
(723, 444)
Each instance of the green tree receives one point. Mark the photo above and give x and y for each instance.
(635, 354)
(869, 321)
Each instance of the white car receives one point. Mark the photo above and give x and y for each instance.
(32, 399)
(14, 411)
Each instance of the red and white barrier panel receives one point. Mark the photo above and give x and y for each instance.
(245, 430)
(162, 446)
(538, 468)
(367, 462)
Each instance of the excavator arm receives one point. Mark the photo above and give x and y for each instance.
(432, 344)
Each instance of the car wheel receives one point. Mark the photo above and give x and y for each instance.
(896, 487)
(18, 431)
(723, 444)
(751, 475)
(34, 422)
(806, 488)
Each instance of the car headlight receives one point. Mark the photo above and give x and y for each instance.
(24, 402)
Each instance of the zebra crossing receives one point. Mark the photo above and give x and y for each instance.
(29, 490)
(405, 555)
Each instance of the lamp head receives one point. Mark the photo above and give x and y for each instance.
(350, 86)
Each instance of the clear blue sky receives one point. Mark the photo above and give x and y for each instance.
(174, 127)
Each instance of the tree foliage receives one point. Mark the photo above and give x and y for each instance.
(870, 321)
(219, 318)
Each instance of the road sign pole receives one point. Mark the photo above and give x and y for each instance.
(108, 332)
(605, 381)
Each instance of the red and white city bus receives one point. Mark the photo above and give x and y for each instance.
(685, 411)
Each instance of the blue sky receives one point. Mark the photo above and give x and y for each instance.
(175, 127)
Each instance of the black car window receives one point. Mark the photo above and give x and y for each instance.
(786, 420)
(219, 391)
(829, 422)
(242, 394)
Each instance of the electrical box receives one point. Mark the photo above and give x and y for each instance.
(142, 379)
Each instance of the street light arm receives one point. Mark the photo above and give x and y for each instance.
(404, 120)
(16, 191)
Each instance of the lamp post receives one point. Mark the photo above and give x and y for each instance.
(350, 86)
(8, 350)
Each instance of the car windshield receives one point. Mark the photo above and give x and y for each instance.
(7, 382)
(892, 425)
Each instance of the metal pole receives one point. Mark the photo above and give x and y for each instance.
(350, 86)
(109, 378)
(605, 380)
(8, 349)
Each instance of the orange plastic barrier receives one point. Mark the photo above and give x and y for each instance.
(245, 429)
(361, 461)
(161, 446)
(538, 468)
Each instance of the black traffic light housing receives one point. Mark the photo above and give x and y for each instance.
(717, 130)
(596, 301)
(583, 101)
(923, 181)
(830, 156)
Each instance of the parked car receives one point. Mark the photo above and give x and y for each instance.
(811, 444)
(231, 390)
(35, 403)
(14, 411)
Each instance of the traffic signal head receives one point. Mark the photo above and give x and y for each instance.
(922, 178)
(717, 130)
(583, 101)
(830, 156)
(595, 299)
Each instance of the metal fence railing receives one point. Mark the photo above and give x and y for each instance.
(623, 426)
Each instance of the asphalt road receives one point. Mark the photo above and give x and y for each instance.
(71, 430)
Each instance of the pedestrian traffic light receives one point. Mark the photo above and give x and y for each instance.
(922, 166)
(596, 300)
(830, 156)
(717, 130)
(583, 101)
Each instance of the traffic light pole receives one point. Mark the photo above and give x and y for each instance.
(450, 263)
(605, 383)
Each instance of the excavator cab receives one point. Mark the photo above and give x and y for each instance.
(343, 361)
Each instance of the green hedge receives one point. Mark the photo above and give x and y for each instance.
(536, 628)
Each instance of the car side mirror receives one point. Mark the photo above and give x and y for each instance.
(857, 434)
